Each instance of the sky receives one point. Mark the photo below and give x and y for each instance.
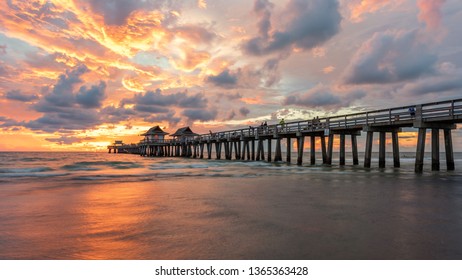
(79, 74)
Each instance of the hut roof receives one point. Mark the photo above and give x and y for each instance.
(155, 130)
(184, 131)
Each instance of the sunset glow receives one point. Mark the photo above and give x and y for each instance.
(77, 75)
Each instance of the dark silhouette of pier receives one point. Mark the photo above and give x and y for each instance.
(249, 143)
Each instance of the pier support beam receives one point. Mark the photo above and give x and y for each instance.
(435, 149)
(448, 149)
(248, 150)
(260, 150)
(342, 149)
(300, 143)
(278, 156)
(368, 152)
(323, 149)
(330, 148)
(312, 150)
(395, 144)
(382, 146)
(289, 150)
(201, 146)
(253, 149)
(419, 157)
(237, 152)
(218, 150)
(227, 155)
(209, 150)
(269, 149)
(354, 147)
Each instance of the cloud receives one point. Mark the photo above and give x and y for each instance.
(225, 79)
(114, 114)
(430, 12)
(68, 140)
(358, 8)
(191, 59)
(328, 69)
(154, 109)
(8, 122)
(168, 117)
(244, 111)
(324, 96)
(390, 57)
(93, 97)
(202, 4)
(311, 23)
(2, 49)
(20, 96)
(116, 12)
(67, 120)
(67, 110)
(233, 96)
(200, 114)
(157, 98)
(62, 94)
(195, 34)
(446, 81)
(248, 76)
(230, 116)
(270, 72)
(262, 8)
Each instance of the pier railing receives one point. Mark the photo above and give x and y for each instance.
(398, 116)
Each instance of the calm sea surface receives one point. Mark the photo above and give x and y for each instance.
(117, 206)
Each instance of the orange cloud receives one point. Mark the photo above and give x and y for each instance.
(358, 8)
(430, 12)
(202, 4)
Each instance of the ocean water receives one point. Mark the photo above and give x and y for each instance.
(120, 206)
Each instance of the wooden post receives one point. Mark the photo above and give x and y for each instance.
(248, 150)
(236, 150)
(368, 152)
(435, 149)
(258, 150)
(218, 150)
(394, 139)
(269, 149)
(226, 144)
(419, 157)
(253, 149)
(313, 150)
(382, 145)
(195, 150)
(330, 147)
(354, 149)
(278, 156)
(201, 146)
(300, 143)
(289, 150)
(231, 150)
(209, 150)
(239, 149)
(262, 151)
(342, 149)
(323, 149)
(243, 150)
(448, 147)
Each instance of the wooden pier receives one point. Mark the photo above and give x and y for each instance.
(249, 143)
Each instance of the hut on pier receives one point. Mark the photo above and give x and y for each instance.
(184, 134)
(154, 134)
